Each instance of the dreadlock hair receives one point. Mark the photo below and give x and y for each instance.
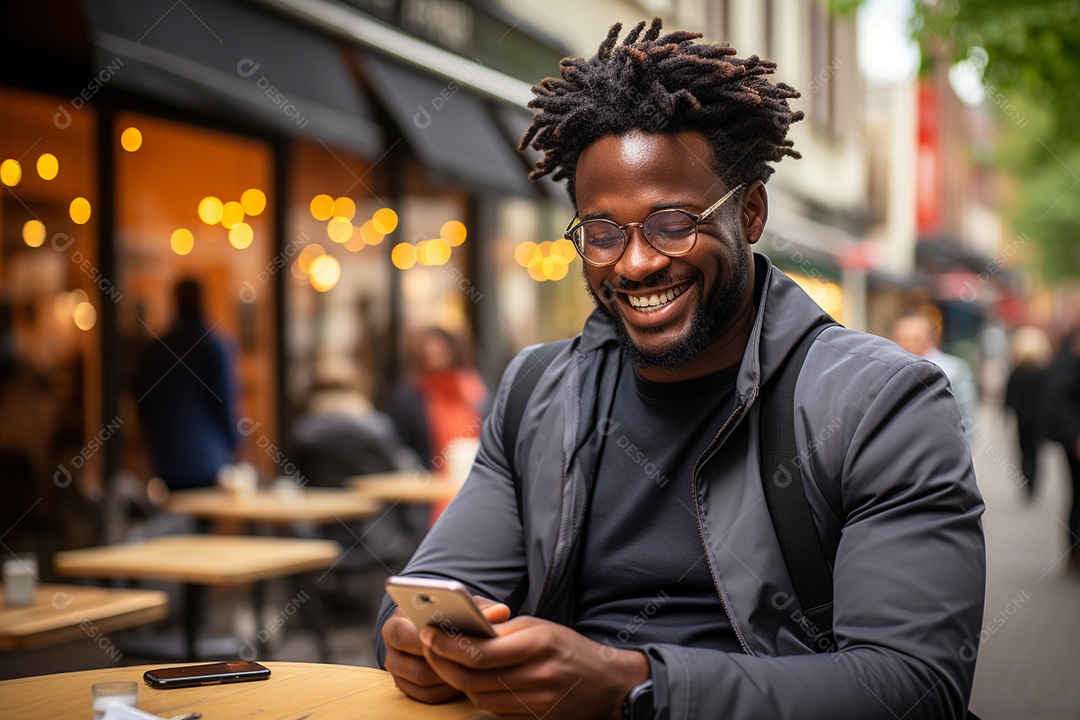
(663, 84)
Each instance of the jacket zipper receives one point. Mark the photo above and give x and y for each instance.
(701, 531)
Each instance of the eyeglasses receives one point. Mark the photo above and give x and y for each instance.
(671, 232)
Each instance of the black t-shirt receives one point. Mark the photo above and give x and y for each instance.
(643, 576)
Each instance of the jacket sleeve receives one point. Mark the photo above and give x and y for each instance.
(909, 579)
(478, 540)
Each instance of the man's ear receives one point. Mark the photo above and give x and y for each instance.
(754, 211)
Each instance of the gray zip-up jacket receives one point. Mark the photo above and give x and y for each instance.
(888, 475)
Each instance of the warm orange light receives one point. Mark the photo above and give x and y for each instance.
(344, 208)
(85, 316)
(322, 207)
(403, 256)
(565, 249)
(182, 241)
(370, 233)
(10, 172)
(241, 236)
(325, 272)
(131, 139)
(47, 166)
(385, 220)
(525, 252)
(79, 210)
(253, 201)
(356, 242)
(232, 214)
(308, 254)
(453, 232)
(339, 229)
(211, 210)
(33, 233)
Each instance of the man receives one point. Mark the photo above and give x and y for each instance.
(184, 389)
(920, 334)
(644, 563)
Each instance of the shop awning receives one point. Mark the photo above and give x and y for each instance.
(515, 121)
(225, 59)
(448, 127)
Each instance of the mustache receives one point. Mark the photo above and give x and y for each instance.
(609, 290)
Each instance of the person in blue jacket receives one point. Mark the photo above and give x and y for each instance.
(642, 576)
(184, 391)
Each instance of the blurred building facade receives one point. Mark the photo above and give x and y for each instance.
(335, 175)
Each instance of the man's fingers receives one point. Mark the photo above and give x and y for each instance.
(495, 612)
(413, 668)
(436, 694)
(400, 633)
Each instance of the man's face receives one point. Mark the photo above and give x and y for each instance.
(624, 178)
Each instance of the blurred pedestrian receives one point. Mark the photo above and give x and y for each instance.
(920, 334)
(184, 391)
(1062, 394)
(1031, 354)
(442, 401)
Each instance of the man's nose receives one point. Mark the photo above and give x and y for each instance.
(640, 259)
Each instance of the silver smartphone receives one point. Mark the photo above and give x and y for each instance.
(444, 604)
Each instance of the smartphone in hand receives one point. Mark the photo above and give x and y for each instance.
(207, 674)
(445, 604)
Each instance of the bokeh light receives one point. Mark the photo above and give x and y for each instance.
(253, 201)
(339, 229)
(525, 252)
(344, 208)
(370, 234)
(232, 214)
(47, 166)
(325, 272)
(453, 232)
(241, 236)
(322, 207)
(33, 233)
(85, 316)
(131, 139)
(182, 241)
(79, 210)
(211, 209)
(10, 172)
(356, 242)
(385, 220)
(403, 256)
(308, 254)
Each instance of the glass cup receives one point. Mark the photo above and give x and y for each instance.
(118, 692)
(20, 579)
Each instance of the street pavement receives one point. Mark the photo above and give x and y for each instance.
(1029, 660)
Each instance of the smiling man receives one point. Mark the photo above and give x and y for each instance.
(623, 545)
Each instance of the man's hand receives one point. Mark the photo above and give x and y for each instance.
(405, 654)
(535, 667)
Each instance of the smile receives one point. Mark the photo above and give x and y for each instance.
(652, 303)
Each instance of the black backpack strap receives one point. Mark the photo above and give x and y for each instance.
(521, 390)
(807, 564)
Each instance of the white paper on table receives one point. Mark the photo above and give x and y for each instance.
(126, 712)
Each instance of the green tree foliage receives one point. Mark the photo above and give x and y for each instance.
(1028, 52)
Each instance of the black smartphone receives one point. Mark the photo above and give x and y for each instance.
(445, 604)
(208, 674)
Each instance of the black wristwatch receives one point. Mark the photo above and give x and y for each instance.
(638, 703)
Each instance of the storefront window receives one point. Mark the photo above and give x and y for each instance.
(51, 293)
(195, 204)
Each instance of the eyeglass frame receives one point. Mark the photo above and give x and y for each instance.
(696, 217)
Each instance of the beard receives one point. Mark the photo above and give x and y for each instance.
(711, 313)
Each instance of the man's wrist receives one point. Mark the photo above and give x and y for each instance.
(631, 669)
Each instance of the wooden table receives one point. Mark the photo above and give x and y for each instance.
(63, 613)
(410, 486)
(293, 691)
(199, 560)
(320, 506)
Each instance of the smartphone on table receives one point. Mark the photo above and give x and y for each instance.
(444, 604)
(207, 674)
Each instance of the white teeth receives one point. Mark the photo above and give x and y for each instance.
(654, 302)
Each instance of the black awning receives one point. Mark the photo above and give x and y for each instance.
(515, 121)
(224, 59)
(448, 127)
